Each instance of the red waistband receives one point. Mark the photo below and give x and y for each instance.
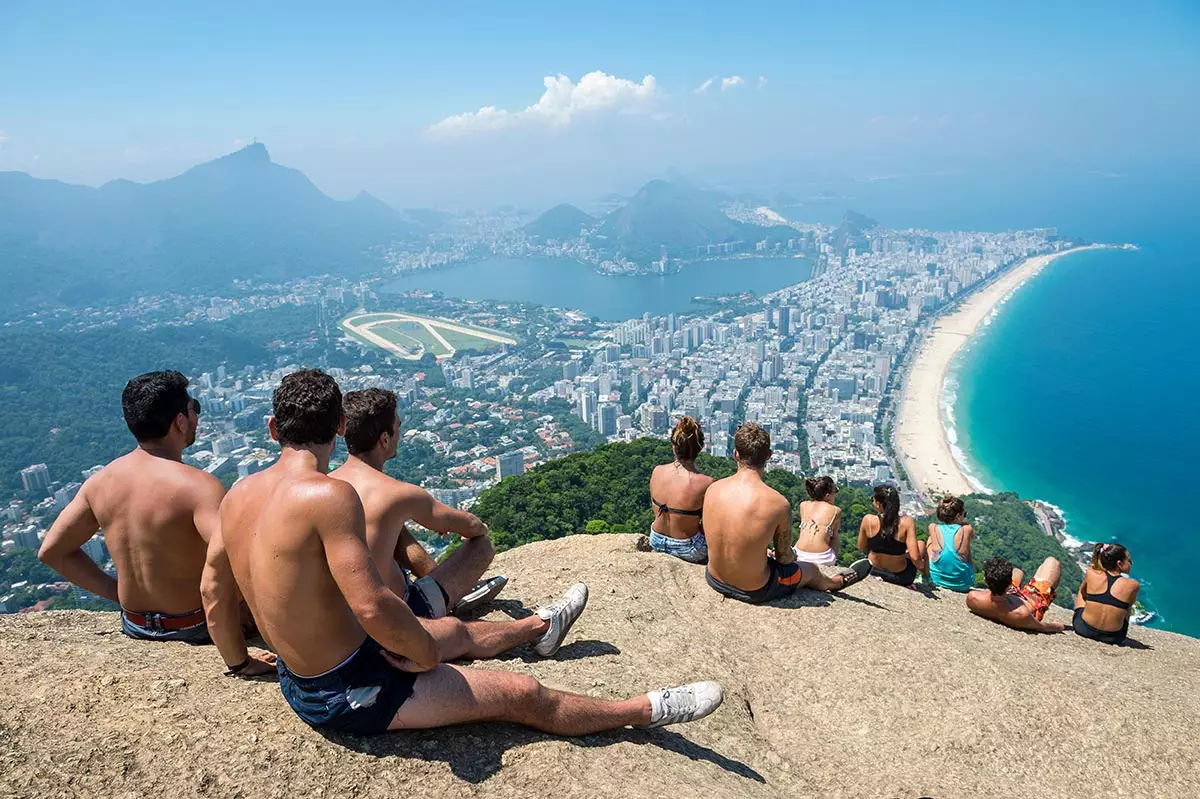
(163, 621)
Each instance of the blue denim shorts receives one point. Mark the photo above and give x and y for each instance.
(197, 634)
(360, 695)
(693, 550)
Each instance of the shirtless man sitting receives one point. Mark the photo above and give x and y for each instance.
(296, 542)
(157, 514)
(742, 516)
(372, 437)
(1006, 602)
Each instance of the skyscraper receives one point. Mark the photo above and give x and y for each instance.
(510, 464)
(608, 419)
(36, 477)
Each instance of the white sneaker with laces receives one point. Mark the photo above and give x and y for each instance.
(561, 615)
(685, 703)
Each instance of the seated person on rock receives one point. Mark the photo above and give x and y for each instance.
(1005, 601)
(949, 547)
(1106, 596)
(157, 514)
(372, 436)
(743, 516)
(890, 540)
(352, 655)
(677, 493)
(820, 522)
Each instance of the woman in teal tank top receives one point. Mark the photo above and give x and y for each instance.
(950, 547)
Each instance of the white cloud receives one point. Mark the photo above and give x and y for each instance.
(703, 87)
(561, 102)
(3, 138)
(730, 82)
(761, 81)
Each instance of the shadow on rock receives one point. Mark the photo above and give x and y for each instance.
(475, 752)
(809, 598)
(577, 650)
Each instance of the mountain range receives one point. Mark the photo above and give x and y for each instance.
(240, 216)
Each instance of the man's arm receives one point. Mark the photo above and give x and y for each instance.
(62, 548)
(1044, 626)
(783, 536)
(223, 606)
(411, 555)
(442, 519)
(338, 517)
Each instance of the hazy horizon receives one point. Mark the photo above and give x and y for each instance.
(476, 106)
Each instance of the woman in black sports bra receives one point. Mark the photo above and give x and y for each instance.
(677, 494)
(890, 540)
(1106, 595)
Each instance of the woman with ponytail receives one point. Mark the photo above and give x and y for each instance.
(1106, 595)
(677, 494)
(890, 540)
(820, 520)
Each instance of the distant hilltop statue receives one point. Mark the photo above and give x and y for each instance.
(879, 692)
(239, 216)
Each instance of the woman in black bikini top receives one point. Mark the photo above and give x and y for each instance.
(677, 494)
(1106, 596)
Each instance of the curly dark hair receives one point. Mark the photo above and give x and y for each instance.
(998, 574)
(369, 414)
(308, 408)
(150, 403)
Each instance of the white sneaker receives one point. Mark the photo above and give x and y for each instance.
(686, 703)
(561, 615)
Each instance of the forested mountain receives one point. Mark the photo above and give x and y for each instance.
(239, 216)
(560, 222)
(677, 217)
(608, 490)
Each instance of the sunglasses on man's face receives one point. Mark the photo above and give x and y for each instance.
(195, 406)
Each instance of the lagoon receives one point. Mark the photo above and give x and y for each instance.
(564, 283)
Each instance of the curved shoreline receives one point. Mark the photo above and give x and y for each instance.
(922, 439)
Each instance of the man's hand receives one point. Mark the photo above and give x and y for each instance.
(259, 664)
(404, 664)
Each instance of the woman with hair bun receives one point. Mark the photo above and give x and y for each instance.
(677, 493)
(820, 520)
(1106, 595)
(949, 547)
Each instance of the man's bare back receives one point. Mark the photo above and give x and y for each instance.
(270, 527)
(151, 510)
(742, 517)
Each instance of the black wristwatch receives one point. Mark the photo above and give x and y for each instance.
(239, 668)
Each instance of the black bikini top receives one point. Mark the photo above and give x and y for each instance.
(1107, 598)
(664, 509)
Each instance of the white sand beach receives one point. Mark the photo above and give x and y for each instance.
(920, 429)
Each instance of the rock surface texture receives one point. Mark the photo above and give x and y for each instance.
(880, 692)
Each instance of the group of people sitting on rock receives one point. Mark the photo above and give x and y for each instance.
(318, 565)
(741, 529)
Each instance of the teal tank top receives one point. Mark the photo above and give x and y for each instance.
(950, 571)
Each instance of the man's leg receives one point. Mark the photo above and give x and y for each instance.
(461, 570)
(1050, 571)
(479, 640)
(813, 577)
(449, 695)
(1018, 576)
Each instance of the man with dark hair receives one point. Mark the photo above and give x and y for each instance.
(371, 418)
(158, 515)
(389, 504)
(296, 541)
(742, 516)
(1006, 602)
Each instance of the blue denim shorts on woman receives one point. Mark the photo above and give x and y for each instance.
(693, 550)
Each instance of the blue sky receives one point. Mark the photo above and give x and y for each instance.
(353, 93)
